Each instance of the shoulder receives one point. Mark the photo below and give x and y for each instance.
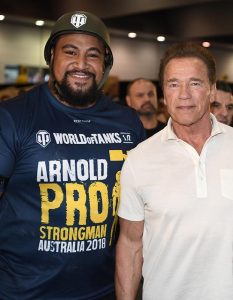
(126, 114)
(125, 118)
(118, 108)
(228, 130)
(23, 102)
(150, 148)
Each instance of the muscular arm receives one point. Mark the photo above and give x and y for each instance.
(129, 259)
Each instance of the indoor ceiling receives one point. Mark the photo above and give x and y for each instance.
(200, 20)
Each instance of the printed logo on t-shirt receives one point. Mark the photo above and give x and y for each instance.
(43, 138)
(81, 189)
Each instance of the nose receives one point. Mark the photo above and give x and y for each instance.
(80, 61)
(184, 92)
(223, 111)
(145, 99)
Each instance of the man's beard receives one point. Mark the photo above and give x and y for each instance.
(147, 109)
(79, 97)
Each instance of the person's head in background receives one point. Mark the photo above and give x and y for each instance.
(222, 107)
(141, 94)
(111, 88)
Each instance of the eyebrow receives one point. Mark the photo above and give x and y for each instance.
(69, 46)
(75, 47)
(172, 79)
(195, 79)
(191, 79)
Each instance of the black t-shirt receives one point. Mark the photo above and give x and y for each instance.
(58, 211)
(150, 132)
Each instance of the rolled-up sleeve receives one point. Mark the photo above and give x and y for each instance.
(131, 204)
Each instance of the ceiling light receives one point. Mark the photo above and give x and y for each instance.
(132, 35)
(161, 38)
(206, 44)
(39, 23)
(2, 17)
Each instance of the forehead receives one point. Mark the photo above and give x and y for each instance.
(223, 97)
(142, 85)
(80, 39)
(185, 67)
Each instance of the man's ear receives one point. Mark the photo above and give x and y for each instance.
(213, 93)
(127, 98)
(52, 54)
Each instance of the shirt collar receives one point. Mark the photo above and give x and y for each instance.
(217, 128)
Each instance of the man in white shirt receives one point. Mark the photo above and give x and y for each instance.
(176, 225)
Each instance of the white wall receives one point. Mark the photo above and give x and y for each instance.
(22, 44)
(224, 63)
(135, 58)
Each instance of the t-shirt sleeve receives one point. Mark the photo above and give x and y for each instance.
(131, 204)
(8, 138)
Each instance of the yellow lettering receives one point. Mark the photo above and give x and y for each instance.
(46, 203)
(43, 234)
(98, 193)
(56, 233)
(116, 194)
(81, 233)
(50, 231)
(115, 204)
(73, 204)
(90, 232)
(103, 230)
(117, 155)
(73, 233)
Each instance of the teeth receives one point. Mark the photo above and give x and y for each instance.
(80, 75)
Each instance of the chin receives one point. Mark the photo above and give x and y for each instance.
(80, 87)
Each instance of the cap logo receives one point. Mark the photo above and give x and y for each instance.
(78, 20)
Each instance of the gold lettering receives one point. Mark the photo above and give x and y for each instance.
(43, 234)
(90, 232)
(46, 203)
(73, 204)
(81, 233)
(98, 193)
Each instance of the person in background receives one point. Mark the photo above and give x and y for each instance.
(162, 113)
(62, 149)
(111, 88)
(222, 107)
(141, 94)
(176, 225)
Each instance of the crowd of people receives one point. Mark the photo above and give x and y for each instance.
(103, 201)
